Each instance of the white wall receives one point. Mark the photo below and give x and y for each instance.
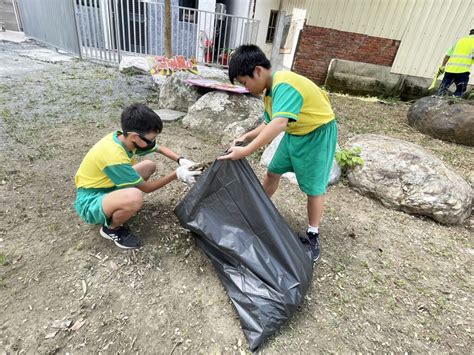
(262, 13)
(205, 24)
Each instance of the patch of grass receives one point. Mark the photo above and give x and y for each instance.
(3, 260)
(153, 97)
(389, 100)
(6, 115)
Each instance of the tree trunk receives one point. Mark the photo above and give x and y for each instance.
(168, 47)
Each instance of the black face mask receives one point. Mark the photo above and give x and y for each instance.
(149, 144)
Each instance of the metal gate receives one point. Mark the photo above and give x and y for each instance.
(51, 22)
(109, 29)
(104, 30)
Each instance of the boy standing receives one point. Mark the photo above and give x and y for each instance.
(293, 104)
(110, 185)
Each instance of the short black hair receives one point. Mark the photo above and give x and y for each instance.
(244, 60)
(141, 119)
(471, 32)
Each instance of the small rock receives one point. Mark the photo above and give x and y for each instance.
(77, 325)
(52, 334)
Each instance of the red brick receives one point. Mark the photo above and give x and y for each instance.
(319, 45)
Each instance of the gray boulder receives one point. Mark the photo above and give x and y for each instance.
(404, 176)
(224, 115)
(134, 65)
(270, 150)
(447, 119)
(176, 94)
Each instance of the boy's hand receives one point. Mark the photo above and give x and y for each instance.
(239, 140)
(186, 176)
(235, 153)
(185, 162)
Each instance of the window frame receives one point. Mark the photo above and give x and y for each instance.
(272, 23)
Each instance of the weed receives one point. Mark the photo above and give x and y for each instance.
(6, 114)
(348, 159)
(3, 259)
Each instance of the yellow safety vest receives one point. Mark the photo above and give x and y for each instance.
(460, 56)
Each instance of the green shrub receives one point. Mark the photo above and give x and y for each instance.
(348, 159)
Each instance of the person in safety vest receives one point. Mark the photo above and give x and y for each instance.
(457, 65)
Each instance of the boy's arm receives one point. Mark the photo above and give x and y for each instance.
(168, 153)
(250, 136)
(150, 186)
(267, 134)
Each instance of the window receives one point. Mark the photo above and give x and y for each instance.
(188, 3)
(271, 26)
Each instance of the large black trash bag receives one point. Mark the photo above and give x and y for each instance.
(261, 262)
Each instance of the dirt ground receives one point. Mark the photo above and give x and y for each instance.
(387, 281)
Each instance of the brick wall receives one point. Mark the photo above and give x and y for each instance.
(318, 45)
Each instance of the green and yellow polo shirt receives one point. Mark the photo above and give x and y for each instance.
(300, 100)
(108, 164)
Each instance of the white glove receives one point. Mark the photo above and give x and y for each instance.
(186, 176)
(185, 162)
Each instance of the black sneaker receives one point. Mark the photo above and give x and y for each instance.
(314, 244)
(305, 241)
(121, 236)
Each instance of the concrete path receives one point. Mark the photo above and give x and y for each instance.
(20, 56)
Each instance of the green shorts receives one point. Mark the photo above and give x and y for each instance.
(88, 205)
(309, 156)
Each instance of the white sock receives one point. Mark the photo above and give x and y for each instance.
(312, 229)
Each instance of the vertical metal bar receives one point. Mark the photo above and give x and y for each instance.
(241, 31)
(78, 29)
(206, 49)
(186, 32)
(117, 31)
(214, 38)
(107, 32)
(140, 26)
(134, 29)
(102, 29)
(189, 37)
(198, 35)
(145, 28)
(162, 30)
(225, 36)
(122, 29)
(96, 28)
(220, 39)
(103, 14)
(129, 27)
(97, 37)
(196, 23)
(250, 31)
(110, 19)
(202, 50)
(89, 29)
(155, 29)
(182, 30)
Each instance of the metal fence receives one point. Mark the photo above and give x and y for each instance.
(51, 22)
(107, 29)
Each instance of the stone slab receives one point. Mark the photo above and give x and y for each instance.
(168, 115)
